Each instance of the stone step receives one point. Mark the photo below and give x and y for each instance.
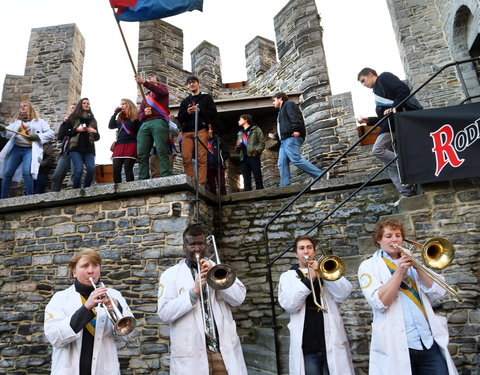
(259, 358)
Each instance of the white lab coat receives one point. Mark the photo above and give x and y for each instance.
(389, 349)
(291, 296)
(39, 127)
(187, 339)
(67, 344)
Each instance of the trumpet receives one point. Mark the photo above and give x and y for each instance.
(437, 253)
(122, 325)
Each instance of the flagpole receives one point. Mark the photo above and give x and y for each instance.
(129, 55)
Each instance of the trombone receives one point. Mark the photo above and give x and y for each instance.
(437, 253)
(221, 276)
(122, 325)
(331, 268)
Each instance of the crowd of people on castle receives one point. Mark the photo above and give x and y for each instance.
(145, 135)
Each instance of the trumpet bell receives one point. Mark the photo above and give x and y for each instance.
(221, 276)
(125, 326)
(438, 253)
(330, 267)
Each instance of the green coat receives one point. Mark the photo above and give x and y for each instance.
(256, 142)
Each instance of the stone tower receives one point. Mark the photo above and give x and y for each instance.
(431, 34)
(53, 74)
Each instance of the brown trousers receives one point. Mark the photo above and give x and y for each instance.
(188, 148)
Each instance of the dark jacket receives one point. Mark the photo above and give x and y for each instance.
(63, 135)
(255, 142)
(83, 142)
(206, 115)
(291, 120)
(159, 93)
(219, 151)
(122, 135)
(389, 86)
(49, 159)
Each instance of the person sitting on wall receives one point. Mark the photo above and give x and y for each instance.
(81, 148)
(63, 162)
(24, 151)
(124, 154)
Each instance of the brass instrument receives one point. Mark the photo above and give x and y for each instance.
(205, 330)
(314, 295)
(437, 253)
(122, 325)
(221, 276)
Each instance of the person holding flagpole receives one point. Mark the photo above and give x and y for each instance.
(407, 337)
(154, 115)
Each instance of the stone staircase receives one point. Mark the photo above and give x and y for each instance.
(260, 356)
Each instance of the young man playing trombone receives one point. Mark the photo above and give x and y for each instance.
(203, 336)
(80, 332)
(407, 337)
(318, 342)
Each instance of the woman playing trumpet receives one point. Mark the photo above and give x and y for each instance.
(407, 337)
(81, 334)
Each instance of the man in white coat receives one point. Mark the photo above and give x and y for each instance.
(197, 346)
(81, 334)
(318, 342)
(407, 337)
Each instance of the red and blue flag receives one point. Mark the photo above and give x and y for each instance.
(145, 10)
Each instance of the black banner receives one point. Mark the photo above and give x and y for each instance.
(439, 144)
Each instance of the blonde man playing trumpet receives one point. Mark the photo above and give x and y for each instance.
(81, 334)
(318, 342)
(407, 337)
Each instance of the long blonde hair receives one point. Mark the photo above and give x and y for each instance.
(131, 111)
(32, 111)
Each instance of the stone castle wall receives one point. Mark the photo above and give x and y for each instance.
(139, 236)
(53, 74)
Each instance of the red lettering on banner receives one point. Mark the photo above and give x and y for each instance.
(443, 149)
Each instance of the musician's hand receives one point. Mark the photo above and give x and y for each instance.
(196, 288)
(362, 120)
(107, 303)
(33, 138)
(404, 263)
(96, 297)
(313, 265)
(139, 79)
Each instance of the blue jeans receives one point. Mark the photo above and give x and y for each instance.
(18, 155)
(63, 166)
(428, 361)
(290, 152)
(316, 364)
(78, 160)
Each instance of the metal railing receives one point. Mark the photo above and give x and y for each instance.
(270, 263)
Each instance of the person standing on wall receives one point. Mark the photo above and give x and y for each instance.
(125, 151)
(318, 342)
(23, 153)
(389, 91)
(200, 344)
(407, 337)
(250, 145)
(80, 332)
(291, 134)
(154, 116)
(217, 156)
(81, 148)
(207, 112)
(63, 162)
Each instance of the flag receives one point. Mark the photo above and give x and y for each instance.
(145, 10)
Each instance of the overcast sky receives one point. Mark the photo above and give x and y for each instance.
(355, 35)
